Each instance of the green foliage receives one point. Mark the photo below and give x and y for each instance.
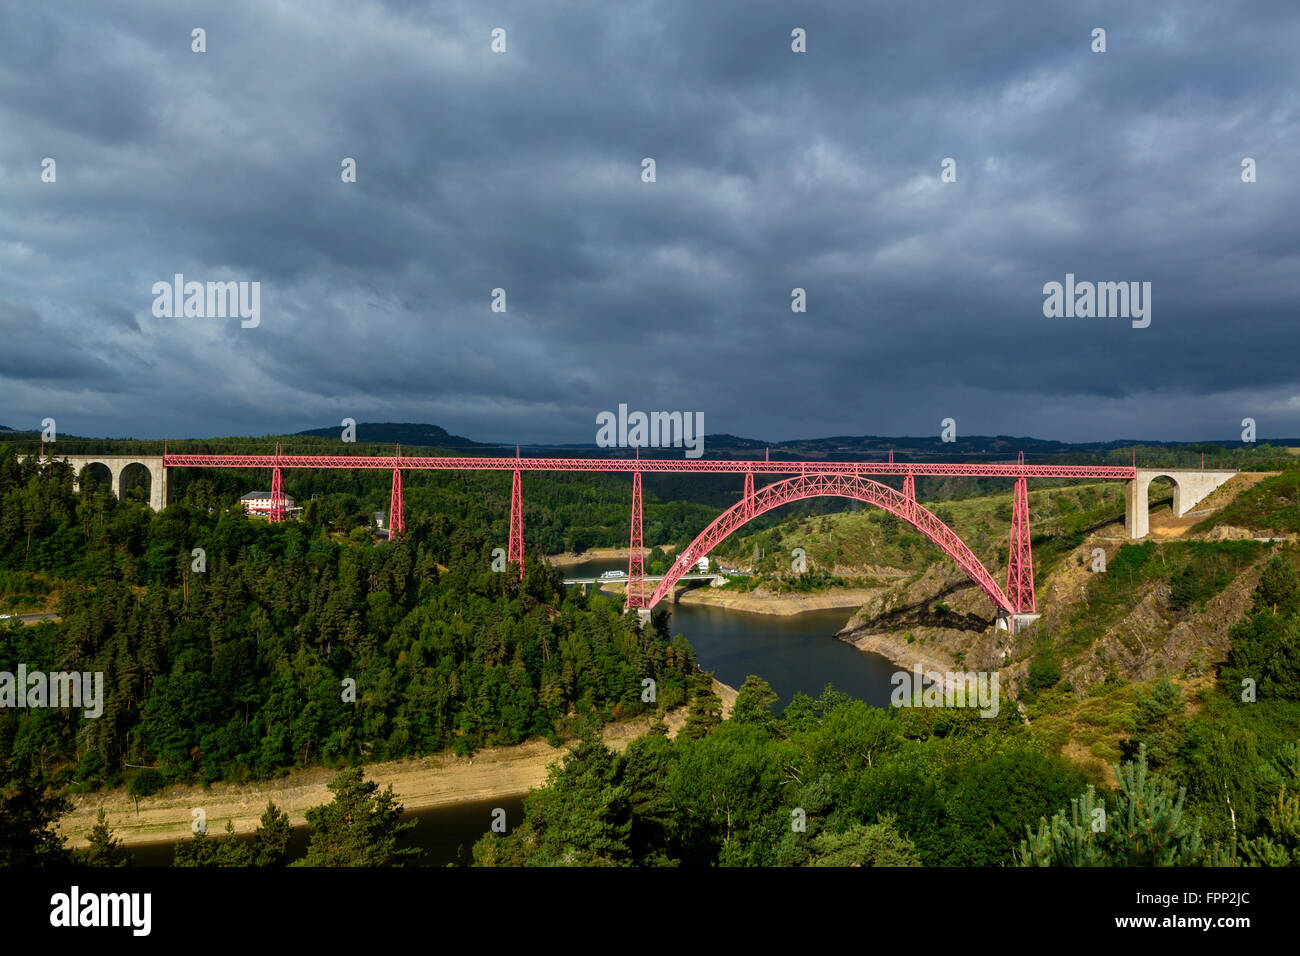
(1146, 827)
(1266, 644)
(706, 709)
(271, 839)
(727, 788)
(29, 813)
(145, 783)
(359, 827)
(1278, 842)
(237, 673)
(1158, 723)
(754, 703)
(870, 786)
(992, 801)
(205, 851)
(875, 844)
(1272, 506)
(198, 851)
(1209, 567)
(583, 817)
(1279, 587)
(1195, 571)
(1044, 672)
(104, 849)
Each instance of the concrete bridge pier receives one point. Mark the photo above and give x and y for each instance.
(1191, 486)
(1015, 623)
(159, 487)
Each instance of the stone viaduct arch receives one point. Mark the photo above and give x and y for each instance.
(159, 492)
(1190, 487)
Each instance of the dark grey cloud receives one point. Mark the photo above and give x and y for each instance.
(775, 171)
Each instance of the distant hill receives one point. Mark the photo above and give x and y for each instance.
(914, 448)
(401, 433)
(971, 448)
(964, 448)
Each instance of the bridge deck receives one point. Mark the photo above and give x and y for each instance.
(698, 465)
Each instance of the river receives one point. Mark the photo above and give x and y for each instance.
(798, 653)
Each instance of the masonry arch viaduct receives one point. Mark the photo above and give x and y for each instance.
(159, 490)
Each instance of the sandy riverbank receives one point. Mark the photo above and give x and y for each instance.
(765, 602)
(421, 783)
(895, 649)
(600, 554)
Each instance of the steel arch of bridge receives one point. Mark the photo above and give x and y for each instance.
(839, 478)
(780, 493)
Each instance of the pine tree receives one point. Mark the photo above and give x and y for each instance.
(232, 851)
(1183, 588)
(359, 827)
(271, 841)
(1278, 840)
(104, 849)
(706, 709)
(198, 851)
(754, 703)
(877, 844)
(28, 815)
(1279, 588)
(582, 817)
(1146, 828)
(1279, 843)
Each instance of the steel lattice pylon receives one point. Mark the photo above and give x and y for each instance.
(277, 489)
(277, 496)
(635, 555)
(1020, 559)
(396, 509)
(516, 553)
(843, 486)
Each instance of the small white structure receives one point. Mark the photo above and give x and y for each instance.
(702, 565)
(379, 520)
(259, 503)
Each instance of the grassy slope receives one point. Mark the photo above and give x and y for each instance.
(1272, 506)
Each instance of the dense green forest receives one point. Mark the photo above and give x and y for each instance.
(241, 670)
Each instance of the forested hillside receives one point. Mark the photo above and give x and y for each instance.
(238, 670)
(317, 642)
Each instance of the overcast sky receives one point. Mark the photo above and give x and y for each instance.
(522, 170)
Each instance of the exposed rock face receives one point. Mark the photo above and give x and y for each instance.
(1226, 532)
(1147, 642)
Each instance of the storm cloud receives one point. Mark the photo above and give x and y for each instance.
(775, 170)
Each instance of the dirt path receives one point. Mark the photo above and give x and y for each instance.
(420, 783)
